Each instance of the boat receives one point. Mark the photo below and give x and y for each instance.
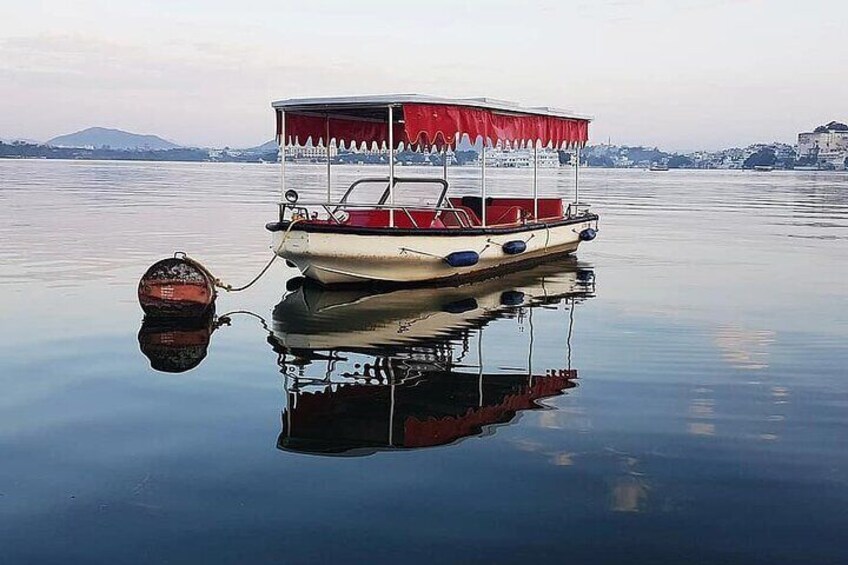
(441, 236)
(658, 167)
(763, 168)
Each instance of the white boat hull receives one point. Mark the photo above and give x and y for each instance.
(344, 258)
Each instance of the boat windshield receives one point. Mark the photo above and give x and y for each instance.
(409, 191)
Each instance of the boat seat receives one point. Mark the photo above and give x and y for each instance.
(380, 219)
(457, 220)
(504, 215)
(549, 208)
(363, 218)
(499, 211)
(474, 203)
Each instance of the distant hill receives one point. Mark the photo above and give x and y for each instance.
(266, 147)
(111, 138)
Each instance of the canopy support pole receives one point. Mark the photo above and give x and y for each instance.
(327, 146)
(445, 163)
(391, 167)
(570, 331)
(483, 182)
(535, 181)
(577, 178)
(530, 355)
(282, 146)
(391, 406)
(480, 366)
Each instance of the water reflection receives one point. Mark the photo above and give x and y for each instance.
(367, 371)
(179, 344)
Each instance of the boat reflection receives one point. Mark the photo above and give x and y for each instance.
(367, 372)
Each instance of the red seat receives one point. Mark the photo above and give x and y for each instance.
(451, 219)
(368, 218)
(503, 215)
(423, 219)
(499, 212)
(548, 207)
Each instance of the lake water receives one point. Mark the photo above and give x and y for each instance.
(678, 393)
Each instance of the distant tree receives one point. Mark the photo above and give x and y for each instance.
(564, 157)
(837, 126)
(465, 157)
(599, 161)
(646, 154)
(762, 158)
(680, 162)
(820, 129)
(436, 159)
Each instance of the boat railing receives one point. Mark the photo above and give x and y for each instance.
(577, 209)
(333, 210)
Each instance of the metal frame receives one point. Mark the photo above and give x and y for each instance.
(483, 184)
(327, 147)
(282, 146)
(391, 166)
(577, 177)
(397, 180)
(332, 208)
(535, 180)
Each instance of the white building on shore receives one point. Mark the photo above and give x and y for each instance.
(311, 153)
(826, 145)
(520, 158)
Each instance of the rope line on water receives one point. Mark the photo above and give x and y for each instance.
(230, 288)
(224, 319)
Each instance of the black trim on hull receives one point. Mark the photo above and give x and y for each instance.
(452, 232)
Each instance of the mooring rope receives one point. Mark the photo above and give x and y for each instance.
(230, 288)
(224, 319)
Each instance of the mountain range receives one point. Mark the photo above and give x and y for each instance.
(266, 147)
(111, 138)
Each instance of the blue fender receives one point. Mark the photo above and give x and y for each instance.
(588, 234)
(514, 247)
(462, 258)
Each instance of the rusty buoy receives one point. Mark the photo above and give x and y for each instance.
(177, 287)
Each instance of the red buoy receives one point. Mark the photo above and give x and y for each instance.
(177, 287)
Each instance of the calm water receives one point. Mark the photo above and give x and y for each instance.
(678, 393)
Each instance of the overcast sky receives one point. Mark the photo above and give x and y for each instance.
(677, 74)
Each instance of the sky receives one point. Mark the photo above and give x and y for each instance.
(680, 75)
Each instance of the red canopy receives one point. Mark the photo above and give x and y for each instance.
(426, 125)
(433, 125)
